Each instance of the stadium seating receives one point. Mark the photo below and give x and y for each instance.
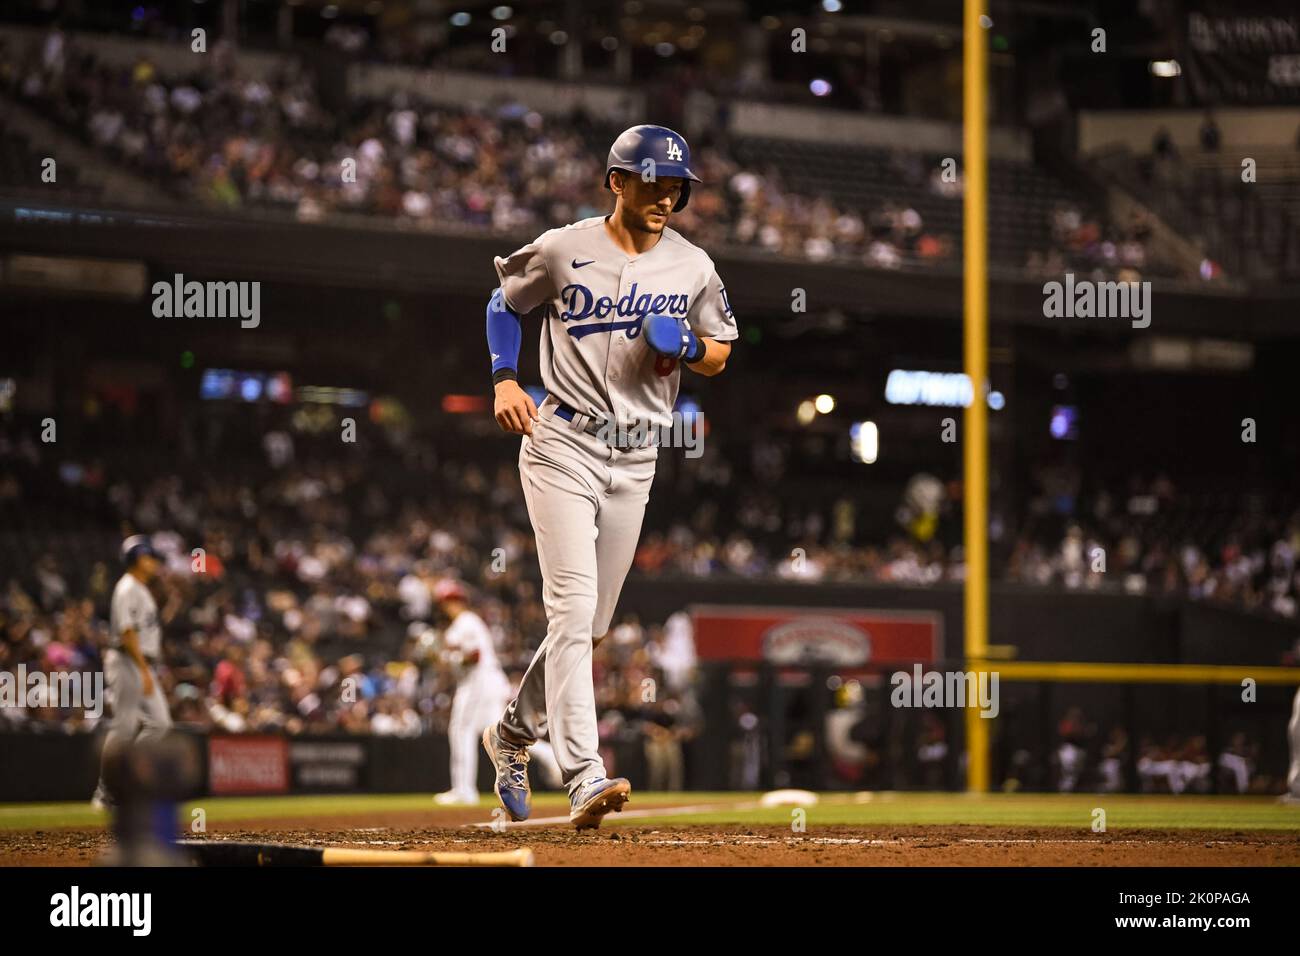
(237, 140)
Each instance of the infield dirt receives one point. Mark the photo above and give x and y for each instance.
(636, 844)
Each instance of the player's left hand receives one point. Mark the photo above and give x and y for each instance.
(669, 337)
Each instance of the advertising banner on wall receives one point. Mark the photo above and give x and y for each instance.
(834, 637)
(248, 765)
(327, 764)
(1244, 51)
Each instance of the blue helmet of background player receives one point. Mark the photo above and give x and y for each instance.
(667, 149)
(136, 547)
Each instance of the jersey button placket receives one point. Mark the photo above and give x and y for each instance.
(613, 356)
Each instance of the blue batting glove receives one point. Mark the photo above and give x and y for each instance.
(670, 338)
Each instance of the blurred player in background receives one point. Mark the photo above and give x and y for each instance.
(482, 689)
(1292, 794)
(135, 636)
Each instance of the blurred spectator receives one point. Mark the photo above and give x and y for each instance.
(1210, 135)
(1071, 753)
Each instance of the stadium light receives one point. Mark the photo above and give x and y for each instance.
(825, 404)
(1166, 68)
(864, 442)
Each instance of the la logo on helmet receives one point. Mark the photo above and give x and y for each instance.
(674, 151)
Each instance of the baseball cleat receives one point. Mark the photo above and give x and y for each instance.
(511, 765)
(596, 797)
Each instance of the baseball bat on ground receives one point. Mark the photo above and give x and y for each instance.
(223, 853)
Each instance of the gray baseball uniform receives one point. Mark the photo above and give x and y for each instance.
(585, 497)
(1293, 735)
(135, 714)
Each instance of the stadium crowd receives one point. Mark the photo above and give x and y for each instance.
(232, 141)
(307, 576)
(1151, 539)
(314, 570)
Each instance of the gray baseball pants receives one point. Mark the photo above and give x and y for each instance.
(135, 716)
(586, 500)
(1293, 734)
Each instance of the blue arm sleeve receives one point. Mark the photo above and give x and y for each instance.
(503, 336)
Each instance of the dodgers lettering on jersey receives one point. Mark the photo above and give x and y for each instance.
(597, 297)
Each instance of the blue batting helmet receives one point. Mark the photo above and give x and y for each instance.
(136, 546)
(668, 151)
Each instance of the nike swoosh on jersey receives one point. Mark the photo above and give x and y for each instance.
(578, 265)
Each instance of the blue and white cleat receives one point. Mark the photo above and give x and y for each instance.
(596, 797)
(510, 762)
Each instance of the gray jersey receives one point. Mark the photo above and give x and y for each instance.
(134, 609)
(596, 299)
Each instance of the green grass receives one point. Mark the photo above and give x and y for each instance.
(871, 810)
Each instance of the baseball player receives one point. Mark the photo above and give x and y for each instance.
(627, 302)
(481, 690)
(1292, 794)
(135, 644)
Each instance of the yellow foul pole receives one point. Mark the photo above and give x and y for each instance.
(975, 318)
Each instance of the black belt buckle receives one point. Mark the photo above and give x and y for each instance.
(594, 427)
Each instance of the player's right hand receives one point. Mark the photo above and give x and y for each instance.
(514, 409)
